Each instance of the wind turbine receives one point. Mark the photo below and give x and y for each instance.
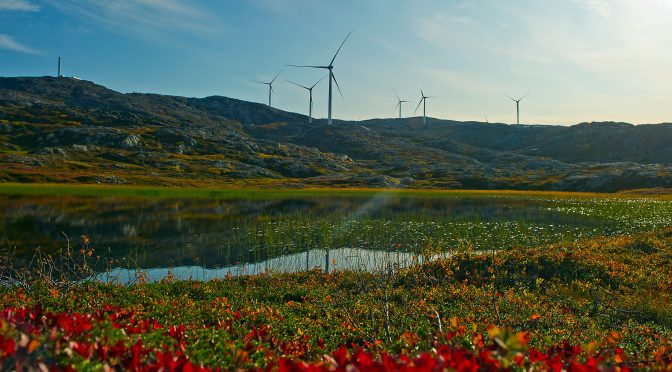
(423, 100)
(517, 101)
(399, 102)
(310, 92)
(331, 74)
(270, 87)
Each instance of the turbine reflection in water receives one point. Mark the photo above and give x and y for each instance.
(354, 259)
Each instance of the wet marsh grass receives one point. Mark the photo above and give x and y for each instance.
(406, 221)
(262, 237)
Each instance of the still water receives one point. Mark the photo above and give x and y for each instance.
(209, 238)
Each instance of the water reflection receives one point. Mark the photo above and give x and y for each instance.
(211, 237)
(354, 259)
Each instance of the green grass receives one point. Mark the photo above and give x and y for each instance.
(29, 189)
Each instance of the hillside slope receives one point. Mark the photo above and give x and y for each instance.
(68, 130)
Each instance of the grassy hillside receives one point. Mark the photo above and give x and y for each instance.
(67, 130)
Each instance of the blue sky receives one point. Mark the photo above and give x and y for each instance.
(580, 60)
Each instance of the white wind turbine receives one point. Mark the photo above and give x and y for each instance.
(331, 74)
(270, 87)
(399, 102)
(517, 101)
(310, 92)
(423, 101)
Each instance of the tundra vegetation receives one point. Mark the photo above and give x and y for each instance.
(595, 301)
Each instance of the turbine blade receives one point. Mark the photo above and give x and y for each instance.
(418, 106)
(298, 85)
(510, 98)
(276, 76)
(339, 49)
(319, 81)
(327, 67)
(339, 88)
(521, 98)
(421, 92)
(257, 81)
(395, 93)
(395, 107)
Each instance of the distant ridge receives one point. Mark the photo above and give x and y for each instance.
(69, 130)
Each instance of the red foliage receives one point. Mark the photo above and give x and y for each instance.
(22, 327)
(7, 346)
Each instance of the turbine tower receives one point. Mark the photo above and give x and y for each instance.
(59, 67)
(310, 93)
(423, 101)
(332, 77)
(270, 87)
(399, 102)
(517, 101)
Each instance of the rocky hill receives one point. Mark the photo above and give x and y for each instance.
(68, 130)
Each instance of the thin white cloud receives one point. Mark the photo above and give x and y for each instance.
(602, 7)
(466, 81)
(8, 42)
(19, 5)
(628, 51)
(142, 18)
(436, 28)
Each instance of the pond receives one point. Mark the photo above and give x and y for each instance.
(203, 238)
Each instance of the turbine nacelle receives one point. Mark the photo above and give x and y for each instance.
(517, 100)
